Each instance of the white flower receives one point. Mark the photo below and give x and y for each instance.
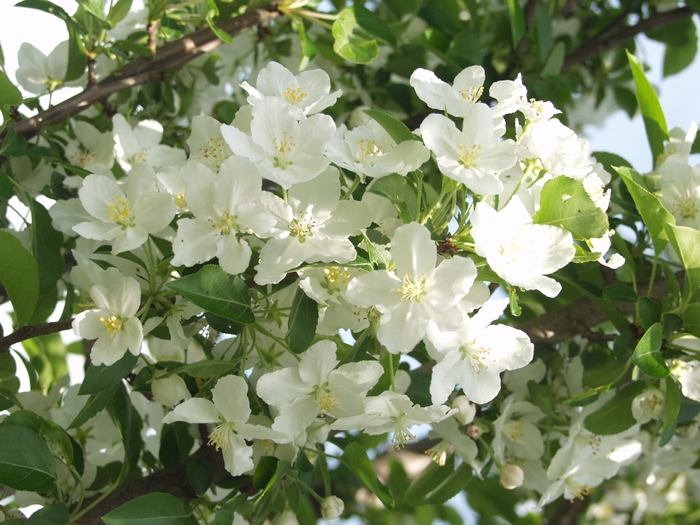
(521, 252)
(512, 476)
(38, 73)
(648, 405)
(538, 110)
(230, 412)
(476, 354)
(224, 206)
(510, 94)
(679, 145)
(125, 217)
(314, 225)
(370, 151)
(417, 293)
(287, 150)
(90, 148)
(142, 144)
(169, 391)
(473, 156)
(112, 323)
(457, 99)
(207, 145)
(680, 192)
(308, 92)
(561, 151)
(392, 412)
(316, 388)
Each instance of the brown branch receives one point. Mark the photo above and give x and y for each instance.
(147, 69)
(568, 512)
(30, 331)
(599, 46)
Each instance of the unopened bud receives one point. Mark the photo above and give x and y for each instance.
(285, 518)
(465, 410)
(474, 431)
(170, 390)
(511, 476)
(332, 507)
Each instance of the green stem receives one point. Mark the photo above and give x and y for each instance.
(353, 187)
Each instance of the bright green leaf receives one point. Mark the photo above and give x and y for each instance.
(517, 21)
(9, 94)
(99, 378)
(647, 355)
(55, 514)
(95, 404)
(216, 291)
(620, 293)
(356, 459)
(350, 42)
(19, 275)
(118, 11)
(152, 509)
(555, 61)
(26, 462)
(686, 242)
(393, 126)
(397, 189)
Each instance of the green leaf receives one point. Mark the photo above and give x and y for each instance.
(217, 292)
(95, 404)
(200, 476)
(397, 189)
(677, 58)
(543, 27)
(303, 319)
(213, 12)
(452, 486)
(672, 406)
(152, 509)
(393, 126)
(14, 145)
(9, 94)
(653, 115)
(207, 369)
(465, 48)
(356, 459)
(55, 10)
(46, 248)
(649, 311)
(620, 293)
(20, 276)
(542, 396)
(118, 11)
(517, 21)
(555, 61)
(373, 24)
(647, 355)
(26, 462)
(6, 188)
(77, 55)
(351, 42)
(565, 203)
(433, 475)
(99, 378)
(615, 416)
(55, 437)
(308, 48)
(175, 444)
(686, 242)
(129, 424)
(264, 472)
(56, 514)
(654, 214)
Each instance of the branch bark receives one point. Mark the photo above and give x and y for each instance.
(147, 69)
(598, 46)
(30, 331)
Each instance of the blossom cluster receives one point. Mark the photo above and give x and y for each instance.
(295, 203)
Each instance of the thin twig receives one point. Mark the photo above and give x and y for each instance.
(35, 330)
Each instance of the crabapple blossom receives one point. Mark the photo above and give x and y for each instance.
(332, 507)
(417, 292)
(39, 73)
(90, 148)
(141, 144)
(207, 145)
(458, 99)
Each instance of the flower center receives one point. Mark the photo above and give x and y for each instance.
(515, 248)
(412, 289)
(113, 323)
(402, 434)
(302, 227)
(294, 94)
(180, 200)
(83, 157)
(214, 150)
(219, 436)
(686, 207)
(336, 276)
(514, 430)
(225, 223)
(283, 147)
(469, 156)
(474, 355)
(140, 156)
(578, 490)
(119, 212)
(368, 151)
(471, 94)
(325, 401)
(438, 453)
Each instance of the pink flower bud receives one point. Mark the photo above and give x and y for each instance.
(511, 476)
(474, 431)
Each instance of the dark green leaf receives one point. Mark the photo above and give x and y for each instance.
(653, 115)
(373, 24)
(541, 396)
(397, 189)
(356, 459)
(26, 462)
(95, 404)
(56, 514)
(175, 444)
(565, 203)
(208, 368)
(672, 405)
(615, 416)
(264, 472)
(517, 21)
(200, 476)
(216, 291)
(543, 26)
(77, 55)
(46, 247)
(647, 356)
(452, 486)
(14, 145)
(555, 62)
(9, 94)
(129, 424)
(620, 293)
(649, 311)
(393, 126)
(99, 378)
(6, 188)
(152, 509)
(19, 275)
(303, 319)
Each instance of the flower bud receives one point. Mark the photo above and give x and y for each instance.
(169, 391)
(474, 431)
(648, 405)
(332, 507)
(465, 410)
(285, 518)
(511, 476)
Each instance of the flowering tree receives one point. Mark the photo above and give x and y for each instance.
(300, 244)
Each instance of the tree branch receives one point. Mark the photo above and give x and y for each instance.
(30, 331)
(598, 46)
(147, 69)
